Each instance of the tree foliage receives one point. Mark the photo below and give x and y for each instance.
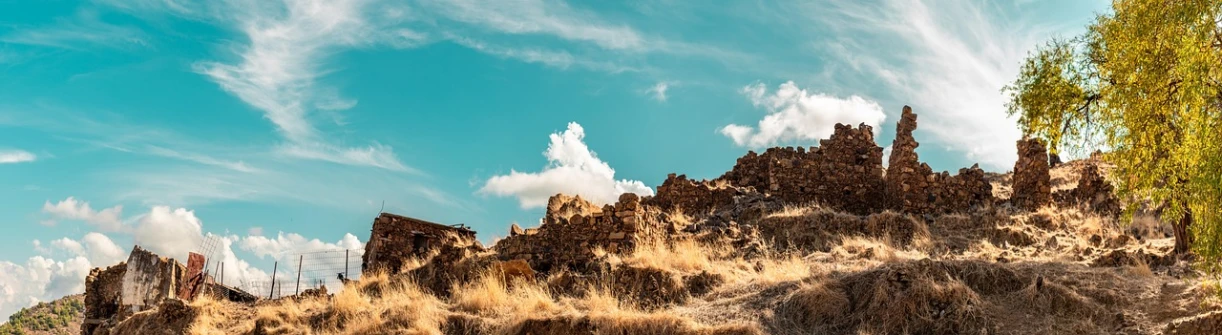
(1144, 83)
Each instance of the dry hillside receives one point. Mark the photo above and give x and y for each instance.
(825, 240)
(796, 269)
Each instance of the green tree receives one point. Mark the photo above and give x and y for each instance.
(1145, 84)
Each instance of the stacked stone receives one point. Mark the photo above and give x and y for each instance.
(103, 294)
(1032, 184)
(844, 172)
(395, 239)
(1093, 192)
(957, 193)
(848, 172)
(907, 177)
(693, 198)
(149, 279)
(571, 242)
(561, 206)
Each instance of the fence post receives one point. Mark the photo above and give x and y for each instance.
(346, 265)
(273, 288)
(299, 260)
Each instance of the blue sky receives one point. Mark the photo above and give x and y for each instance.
(283, 126)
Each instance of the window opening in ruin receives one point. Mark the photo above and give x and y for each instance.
(420, 243)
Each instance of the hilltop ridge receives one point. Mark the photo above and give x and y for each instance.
(790, 241)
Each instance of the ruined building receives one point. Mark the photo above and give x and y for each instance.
(695, 198)
(396, 238)
(844, 172)
(574, 230)
(913, 187)
(1093, 192)
(143, 282)
(1032, 183)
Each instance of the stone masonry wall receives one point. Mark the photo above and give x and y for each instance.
(844, 172)
(696, 199)
(150, 279)
(1093, 192)
(397, 238)
(1032, 184)
(906, 176)
(571, 242)
(913, 187)
(103, 296)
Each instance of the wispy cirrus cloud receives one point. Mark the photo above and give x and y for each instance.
(16, 156)
(277, 71)
(541, 18)
(658, 90)
(82, 30)
(947, 59)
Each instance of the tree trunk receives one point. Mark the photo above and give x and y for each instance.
(1053, 160)
(1183, 236)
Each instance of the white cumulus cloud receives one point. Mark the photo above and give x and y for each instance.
(287, 243)
(107, 219)
(572, 169)
(40, 279)
(796, 115)
(169, 232)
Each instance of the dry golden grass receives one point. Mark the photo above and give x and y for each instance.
(790, 210)
(854, 282)
(1140, 270)
(490, 296)
(684, 256)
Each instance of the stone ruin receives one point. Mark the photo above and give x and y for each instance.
(113, 294)
(396, 238)
(574, 229)
(913, 187)
(844, 172)
(695, 198)
(1093, 192)
(1032, 183)
(144, 282)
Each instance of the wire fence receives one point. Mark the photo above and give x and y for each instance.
(296, 272)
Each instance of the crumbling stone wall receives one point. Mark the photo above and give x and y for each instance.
(906, 176)
(150, 279)
(694, 198)
(571, 242)
(844, 172)
(1032, 184)
(913, 187)
(103, 296)
(396, 238)
(1093, 192)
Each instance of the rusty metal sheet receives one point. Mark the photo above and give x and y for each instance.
(195, 277)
